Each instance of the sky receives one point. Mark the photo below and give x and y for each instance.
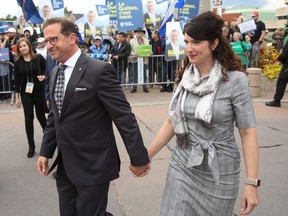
(13, 9)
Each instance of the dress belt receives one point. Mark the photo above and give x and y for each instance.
(197, 155)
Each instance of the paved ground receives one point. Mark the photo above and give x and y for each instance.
(24, 193)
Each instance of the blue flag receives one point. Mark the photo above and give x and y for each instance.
(169, 15)
(179, 4)
(30, 11)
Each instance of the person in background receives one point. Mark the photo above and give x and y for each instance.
(29, 88)
(282, 79)
(257, 37)
(41, 48)
(119, 55)
(138, 40)
(278, 37)
(98, 50)
(240, 48)
(211, 98)
(81, 127)
(156, 62)
(225, 32)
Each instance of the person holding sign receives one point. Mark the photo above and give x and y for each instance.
(138, 40)
(257, 37)
(29, 76)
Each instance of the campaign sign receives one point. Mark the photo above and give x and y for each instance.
(144, 50)
(247, 26)
(4, 54)
(129, 15)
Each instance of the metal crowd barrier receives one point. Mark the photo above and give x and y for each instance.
(6, 80)
(146, 70)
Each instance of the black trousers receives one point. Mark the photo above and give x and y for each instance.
(77, 200)
(281, 83)
(29, 101)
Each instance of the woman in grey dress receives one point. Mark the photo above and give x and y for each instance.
(212, 96)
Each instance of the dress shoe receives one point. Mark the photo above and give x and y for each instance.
(133, 90)
(31, 152)
(273, 103)
(146, 90)
(163, 89)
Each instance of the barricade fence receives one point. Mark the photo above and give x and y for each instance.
(6, 81)
(145, 70)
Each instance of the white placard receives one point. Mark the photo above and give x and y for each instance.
(247, 26)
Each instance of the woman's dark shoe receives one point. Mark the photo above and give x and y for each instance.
(31, 152)
(273, 103)
(133, 90)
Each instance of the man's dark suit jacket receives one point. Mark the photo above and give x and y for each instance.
(123, 54)
(84, 132)
(170, 55)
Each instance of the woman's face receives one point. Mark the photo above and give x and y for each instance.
(236, 37)
(24, 48)
(198, 52)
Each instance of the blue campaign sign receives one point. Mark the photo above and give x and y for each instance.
(57, 4)
(102, 10)
(189, 10)
(112, 9)
(130, 15)
(4, 54)
(4, 26)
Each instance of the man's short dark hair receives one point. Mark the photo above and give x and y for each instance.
(67, 27)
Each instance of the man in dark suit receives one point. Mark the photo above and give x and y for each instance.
(88, 158)
(120, 53)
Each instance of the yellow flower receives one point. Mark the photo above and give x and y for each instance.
(268, 62)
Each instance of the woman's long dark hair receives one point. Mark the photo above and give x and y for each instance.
(208, 26)
(18, 53)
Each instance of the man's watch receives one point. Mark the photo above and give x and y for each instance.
(260, 41)
(254, 182)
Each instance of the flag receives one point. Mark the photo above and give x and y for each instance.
(30, 11)
(179, 4)
(167, 18)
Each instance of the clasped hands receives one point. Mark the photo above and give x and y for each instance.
(140, 171)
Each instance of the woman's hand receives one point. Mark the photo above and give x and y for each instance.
(249, 199)
(18, 103)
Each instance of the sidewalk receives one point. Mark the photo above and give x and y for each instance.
(23, 192)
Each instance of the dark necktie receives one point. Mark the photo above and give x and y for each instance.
(59, 88)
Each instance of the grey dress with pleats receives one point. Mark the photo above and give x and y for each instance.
(203, 179)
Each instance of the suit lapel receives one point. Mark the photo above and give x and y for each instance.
(76, 75)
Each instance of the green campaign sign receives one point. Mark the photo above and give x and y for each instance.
(144, 50)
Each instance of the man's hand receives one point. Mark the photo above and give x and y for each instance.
(42, 166)
(140, 171)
